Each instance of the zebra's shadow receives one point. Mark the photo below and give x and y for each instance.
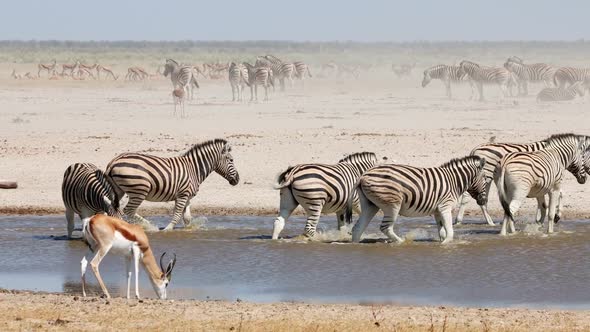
(56, 238)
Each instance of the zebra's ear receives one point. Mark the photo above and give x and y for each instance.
(226, 148)
(482, 163)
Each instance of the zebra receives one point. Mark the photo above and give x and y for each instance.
(321, 188)
(50, 68)
(535, 174)
(524, 73)
(493, 153)
(159, 179)
(258, 76)
(280, 69)
(485, 75)
(412, 191)
(562, 94)
(181, 76)
(565, 76)
(86, 191)
(447, 74)
(238, 77)
(301, 70)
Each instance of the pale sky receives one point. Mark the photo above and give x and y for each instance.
(303, 20)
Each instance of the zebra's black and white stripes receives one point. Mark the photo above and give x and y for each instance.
(181, 76)
(447, 74)
(86, 191)
(321, 188)
(493, 153)
(562, 94)
(413, 191)
(566, 76)
(259, 76)
(535, 174)
(525, 73)
(281, 70)
(480, 75)
(159, 179)
(238, 78)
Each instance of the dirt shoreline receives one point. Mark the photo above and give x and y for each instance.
(24, 310)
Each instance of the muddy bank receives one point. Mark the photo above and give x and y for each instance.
(56, 312)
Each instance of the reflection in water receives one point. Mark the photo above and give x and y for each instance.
(232, 257)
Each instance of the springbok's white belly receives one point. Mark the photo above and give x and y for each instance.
(121, 245)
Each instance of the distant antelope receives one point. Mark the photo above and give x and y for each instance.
(136, 73)
(403, 70)
(109, 71)
(70, 67)
(50, 68)
(178, 95)
(103, 233)
(15, 75)
(31, 76)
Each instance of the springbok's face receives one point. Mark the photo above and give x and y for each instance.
(426, 79)
(161, 284)
(226, 168)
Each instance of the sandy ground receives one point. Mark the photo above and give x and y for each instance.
(48, 125)
(55, 312)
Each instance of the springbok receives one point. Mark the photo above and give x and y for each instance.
(103, 233)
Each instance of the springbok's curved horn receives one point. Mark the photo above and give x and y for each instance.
(170, 267)
(161, 262)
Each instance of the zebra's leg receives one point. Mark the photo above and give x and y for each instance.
(178, 210)
(559, 207)
(368, 211)
(447, 219)
(462, 205)
(340, 217)
(484, 208)
(266, 93)
(70, 221)
(553, 202)
(131, 210)
(288, 205)
(448, 88)
(480, 91)
(186, 215)
(233, 93)
(251, 93)
(256, 91)
(514, 205)
(390, 215)
(442, 234)
(541, 210)
(313, 212)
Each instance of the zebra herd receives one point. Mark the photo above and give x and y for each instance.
(357, 183)
(561, 83)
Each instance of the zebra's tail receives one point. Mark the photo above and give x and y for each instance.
(309, 72)
(500, 173)
(555, 82)
(194, 82)
(350, 202)
(284, 179)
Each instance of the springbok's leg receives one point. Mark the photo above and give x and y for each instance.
(83, 266)
(128, 271)
(288, 205)
(95, 262)
(178, 210)
(390, 214)
(70, 220)
(136, 255)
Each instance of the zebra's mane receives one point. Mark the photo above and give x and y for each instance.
(471, 63)
(355, 156)
(459, 161)
(171, 60)
(560, 138)
(217, 141)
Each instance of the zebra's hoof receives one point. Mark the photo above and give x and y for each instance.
(302, 237)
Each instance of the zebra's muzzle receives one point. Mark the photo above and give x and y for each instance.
(582, 179)
(482, 199)
(234, 180)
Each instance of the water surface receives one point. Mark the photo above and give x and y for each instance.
(233, 257)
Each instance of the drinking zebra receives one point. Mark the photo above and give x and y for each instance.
(258, 76)
(281, 70)
(160, 179)
(238, 77)
(536, 174)
(562, 94)
(181, 76)
(86, 191)
(536, 72)
(565, 76)
(321, 188)
(480, 75)
(447, 74)
(493, 153)
(412, 192)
